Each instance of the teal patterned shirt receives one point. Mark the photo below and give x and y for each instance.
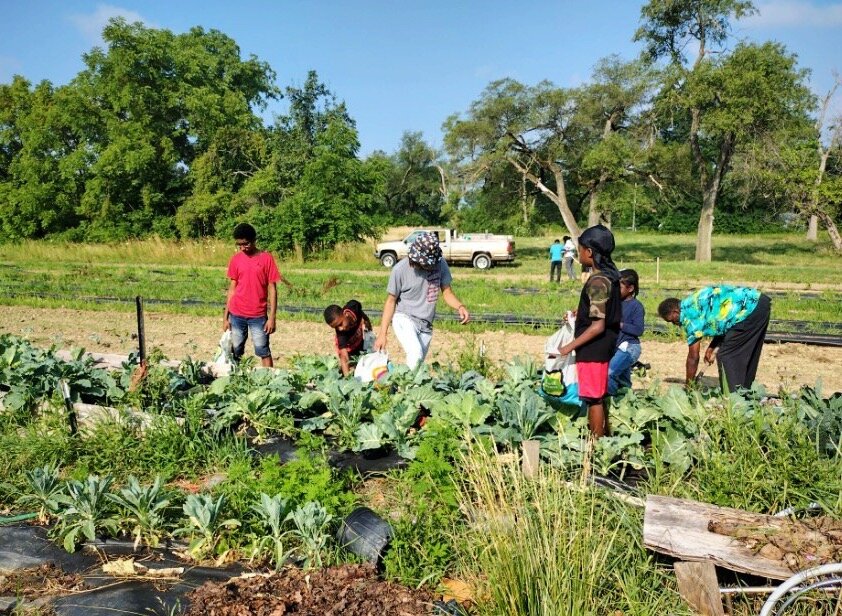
(712, 311)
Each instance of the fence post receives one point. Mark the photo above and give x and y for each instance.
(657, 270)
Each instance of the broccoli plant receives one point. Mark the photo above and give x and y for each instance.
(311, 528)
(86, 512)
(273, 513)
(144, 511)
(43, 488)
(205, 527)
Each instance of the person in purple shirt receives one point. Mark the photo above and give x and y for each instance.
(631, 328)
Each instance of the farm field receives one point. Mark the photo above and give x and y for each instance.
(260, 468)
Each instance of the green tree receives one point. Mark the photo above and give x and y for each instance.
(416, 184)
(531, 129)
(609, 110)
(160, 99)
(728, 100)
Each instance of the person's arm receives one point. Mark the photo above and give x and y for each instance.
(453, 301)
(344, 362)
(692, 363)
(710, 354)
(634, 326)
(226, 324)
(385, 322)
(595, 329)
(284, 280)
(272, 290)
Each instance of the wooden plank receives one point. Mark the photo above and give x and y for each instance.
(698, 586)
(531, 458)
(679, 527)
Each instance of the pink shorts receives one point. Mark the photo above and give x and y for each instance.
(593, 379)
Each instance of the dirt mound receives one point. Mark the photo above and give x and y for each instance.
(349, 590)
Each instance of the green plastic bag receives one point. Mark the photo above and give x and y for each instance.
(552, 383)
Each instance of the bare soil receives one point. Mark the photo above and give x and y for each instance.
(782, 365)
(349, 590)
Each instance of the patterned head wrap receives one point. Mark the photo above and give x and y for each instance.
(425, 250)
(601, 241)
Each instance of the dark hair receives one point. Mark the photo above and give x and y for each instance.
(668, 306)
(332, 312)
(245, 231)
(566, 237)
(630, 277)
(557, 242)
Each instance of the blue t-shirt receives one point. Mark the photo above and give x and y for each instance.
(555, 252)
(712, 311)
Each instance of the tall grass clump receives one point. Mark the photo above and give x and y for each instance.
(553, 545)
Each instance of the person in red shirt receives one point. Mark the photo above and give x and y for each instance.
(351, 324)
(252, 295)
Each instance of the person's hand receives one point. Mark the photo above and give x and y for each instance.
(226, 324)
(710, 355)
(464, 315)
(565, 350)
(380, 342)
(269, 327)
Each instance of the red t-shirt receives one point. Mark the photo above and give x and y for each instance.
(253, 275)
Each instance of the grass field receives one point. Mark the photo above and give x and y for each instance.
(189, 277)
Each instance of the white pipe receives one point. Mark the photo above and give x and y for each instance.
(795, 580)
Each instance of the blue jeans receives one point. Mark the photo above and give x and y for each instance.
(619, 369)
(241, 327)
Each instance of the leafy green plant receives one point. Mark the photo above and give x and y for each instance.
(273, 512)
(43, 486)
(311, 529)
(205, 526)
(144, 510)
(86, 511)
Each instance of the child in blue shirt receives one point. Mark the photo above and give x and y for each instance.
(556, 252)
(631, 328)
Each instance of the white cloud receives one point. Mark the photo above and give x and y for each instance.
(91, 24)
(795, 13)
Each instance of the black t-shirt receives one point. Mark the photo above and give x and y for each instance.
(352, 339)
(600, 299)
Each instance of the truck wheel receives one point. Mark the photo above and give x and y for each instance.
(482, 262)
(388, 259)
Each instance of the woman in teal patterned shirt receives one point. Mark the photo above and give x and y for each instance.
(735, 318)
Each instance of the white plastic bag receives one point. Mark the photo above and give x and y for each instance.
(223, 361)
(553, 362)
(372, 366)
(368, 341)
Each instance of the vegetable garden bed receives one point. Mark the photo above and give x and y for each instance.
(283, 506)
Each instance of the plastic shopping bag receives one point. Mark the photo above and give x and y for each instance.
(559, 384)
(372, 366)
(223, 361)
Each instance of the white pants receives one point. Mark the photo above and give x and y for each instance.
(415, 343)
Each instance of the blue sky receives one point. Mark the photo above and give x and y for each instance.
(400, 65)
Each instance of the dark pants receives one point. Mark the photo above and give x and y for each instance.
(740, 347)
(555, 269)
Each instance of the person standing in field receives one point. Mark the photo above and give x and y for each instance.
(252, 295)
(415, 284)
(350, 324)
(631, 328)
(556, 252)
(597, 324)
(736, 320)
(569, 256)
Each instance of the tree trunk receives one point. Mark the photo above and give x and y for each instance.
(832, 230)
(813, 228)
(593, 209)
(704, 232)
(559, 197)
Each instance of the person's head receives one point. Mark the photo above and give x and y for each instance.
(629, 283)
(595, 247)
(425, 251)
(566, 238)
(337, 318)
(557, 242)
(670, 310)
(245, 237)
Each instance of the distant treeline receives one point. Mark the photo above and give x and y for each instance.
(161, 134)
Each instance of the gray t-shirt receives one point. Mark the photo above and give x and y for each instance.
(417, 291)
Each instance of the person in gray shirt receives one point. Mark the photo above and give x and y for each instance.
(415, 284)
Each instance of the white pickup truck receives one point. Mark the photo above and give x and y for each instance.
(481, 250)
